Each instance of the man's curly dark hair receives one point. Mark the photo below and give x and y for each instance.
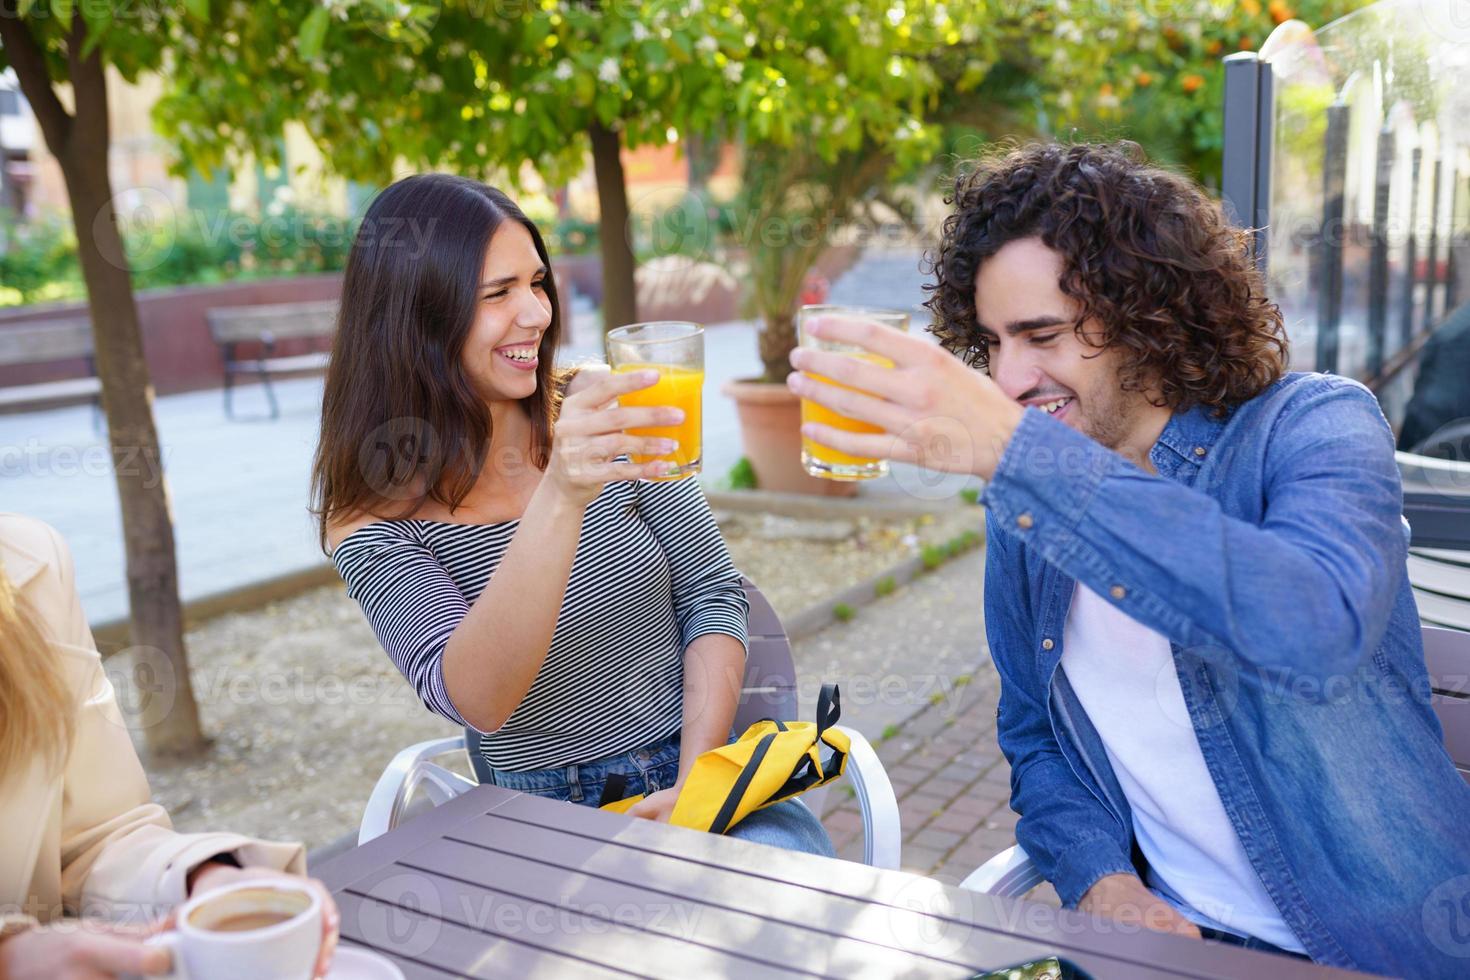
(1145, 253)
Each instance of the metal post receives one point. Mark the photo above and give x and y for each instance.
(1329, 238)
(1406, 311)
(1378, 258)
(1431, 266)
(1265, 144)
(1242, 153)
(1452, 277)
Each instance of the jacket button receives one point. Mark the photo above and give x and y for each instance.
(1024, 521)
(1047, 644)
(1117, 592)
(1199, 450)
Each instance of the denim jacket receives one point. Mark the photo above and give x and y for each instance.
(1270, 551)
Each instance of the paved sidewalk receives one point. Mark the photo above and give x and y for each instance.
(935, 732)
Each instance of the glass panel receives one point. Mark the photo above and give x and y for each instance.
(1368, 196)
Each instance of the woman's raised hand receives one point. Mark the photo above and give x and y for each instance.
(591, 433)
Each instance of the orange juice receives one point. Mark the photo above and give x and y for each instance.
(831, 463)
(677, 387)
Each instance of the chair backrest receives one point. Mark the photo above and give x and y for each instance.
(233, 324)
(1447, 656)
(40, 343)
(769, 689)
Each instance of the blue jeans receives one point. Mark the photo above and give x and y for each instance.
(789, 824)
(1246, 942)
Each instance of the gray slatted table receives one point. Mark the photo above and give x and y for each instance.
(503, 884)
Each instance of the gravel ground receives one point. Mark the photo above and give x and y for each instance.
(305, 709)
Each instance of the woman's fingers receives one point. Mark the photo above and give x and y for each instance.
(608, 420)
(606, 449)
(630, 445)
(605, 390)
(331, 928)
(112, 955)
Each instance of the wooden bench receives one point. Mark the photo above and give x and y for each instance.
(262, 327)
(43, 343)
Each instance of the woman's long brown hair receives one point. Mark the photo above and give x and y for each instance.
(402, 424)
(35, 704)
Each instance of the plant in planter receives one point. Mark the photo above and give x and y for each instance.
(793, 202)
(853, 97)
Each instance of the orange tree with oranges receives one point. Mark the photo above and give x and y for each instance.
(1165, 88)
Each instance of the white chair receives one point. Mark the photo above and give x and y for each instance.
(413, 781)
(1011, 873)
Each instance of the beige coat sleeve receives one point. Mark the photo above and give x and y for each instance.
(119, 852)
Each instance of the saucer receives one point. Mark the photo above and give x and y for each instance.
(356, 963)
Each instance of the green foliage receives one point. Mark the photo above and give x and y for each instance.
(40, 261)
(1163, 80)
(884, 586)
(933, 556)
(742, 475)
(842, 612)
(36, 256)
(891, 731)
(572, 236)
(970, 495)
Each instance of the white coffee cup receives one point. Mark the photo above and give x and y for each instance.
(246, 931)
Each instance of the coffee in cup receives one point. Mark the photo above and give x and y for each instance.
(247, 931)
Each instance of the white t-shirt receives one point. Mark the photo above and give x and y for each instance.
(1124, 675)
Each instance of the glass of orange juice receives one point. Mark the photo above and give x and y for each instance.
(675, 349)
(824, 461)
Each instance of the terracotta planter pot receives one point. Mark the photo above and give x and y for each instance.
(770, 428)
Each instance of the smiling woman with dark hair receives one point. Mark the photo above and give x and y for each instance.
(528, 580)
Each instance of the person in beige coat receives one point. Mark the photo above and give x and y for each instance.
(80, 839)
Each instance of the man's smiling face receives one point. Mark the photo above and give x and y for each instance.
(1038, 358)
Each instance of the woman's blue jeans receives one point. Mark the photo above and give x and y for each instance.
(789, 824)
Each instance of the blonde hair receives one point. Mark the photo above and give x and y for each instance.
(35, 705)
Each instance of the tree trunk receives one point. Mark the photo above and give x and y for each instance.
(164, 704)
(777, 340)
(619, 291)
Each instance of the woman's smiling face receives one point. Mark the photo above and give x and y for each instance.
(503, 348)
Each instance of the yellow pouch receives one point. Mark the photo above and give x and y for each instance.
(772, 761)
(618, 806)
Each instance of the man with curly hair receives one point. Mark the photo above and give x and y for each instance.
(1213, 692)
